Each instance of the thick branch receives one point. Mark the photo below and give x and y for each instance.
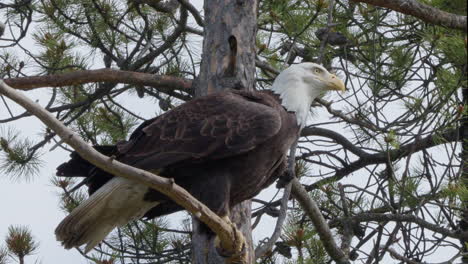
(424, 12)
(226, 232)
(312, 210)
(101, 75)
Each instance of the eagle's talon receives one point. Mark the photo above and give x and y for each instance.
(239, 255)
(229, 254)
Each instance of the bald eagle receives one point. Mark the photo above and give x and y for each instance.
(223, 148)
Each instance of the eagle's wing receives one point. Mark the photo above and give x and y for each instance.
(208, 128)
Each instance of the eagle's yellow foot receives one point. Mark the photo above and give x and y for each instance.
(235, 257)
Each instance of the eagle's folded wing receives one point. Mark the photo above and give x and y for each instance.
(209, 128)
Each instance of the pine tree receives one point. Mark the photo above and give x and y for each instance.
(20, 243)
(385, 162)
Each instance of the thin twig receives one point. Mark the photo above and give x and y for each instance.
(263, 249)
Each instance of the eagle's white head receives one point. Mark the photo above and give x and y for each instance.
(300, 84)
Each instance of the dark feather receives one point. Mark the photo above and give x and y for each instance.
(208, 128)
(223, 148)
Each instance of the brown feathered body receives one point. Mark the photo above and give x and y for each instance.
(223, 148)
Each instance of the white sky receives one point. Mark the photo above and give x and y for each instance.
(35, 203)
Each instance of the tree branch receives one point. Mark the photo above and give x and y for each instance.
(101, 75)
(312, 210)
(229, 236)
(367, 217)
(165, 7)
(338, 138)
(193, 10)
(382, 157)
(168, 43)
(399, 257)
(424, 12)
(394, 254)
(261, 250)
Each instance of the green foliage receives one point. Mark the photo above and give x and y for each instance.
(75, 94)
(401, 61)
(150, 238)
(114, 123)
(453, 47)
(392, 140)
(10, 64)
(105, 124)
(448, 81)
(408, 191)
(176, 69)
(18, 159)
(69, 200)
(57, 52)
(301, 235)
(451, 6)
(301, 168)
(455, 191)
(20, 242)
(149, 235)
(413, 104)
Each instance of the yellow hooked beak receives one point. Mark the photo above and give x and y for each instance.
(334, 83)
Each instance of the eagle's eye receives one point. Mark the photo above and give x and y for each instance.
(317, 70)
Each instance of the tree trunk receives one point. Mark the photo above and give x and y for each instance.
(228, 61)
(203, 249)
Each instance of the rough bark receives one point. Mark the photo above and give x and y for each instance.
(100, 75)
(228, 61)
(422, 11)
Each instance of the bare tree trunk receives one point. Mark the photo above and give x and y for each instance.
(228, 61)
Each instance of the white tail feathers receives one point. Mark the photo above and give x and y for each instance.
(115, 204)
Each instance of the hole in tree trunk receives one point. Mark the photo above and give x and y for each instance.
(231, 67)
